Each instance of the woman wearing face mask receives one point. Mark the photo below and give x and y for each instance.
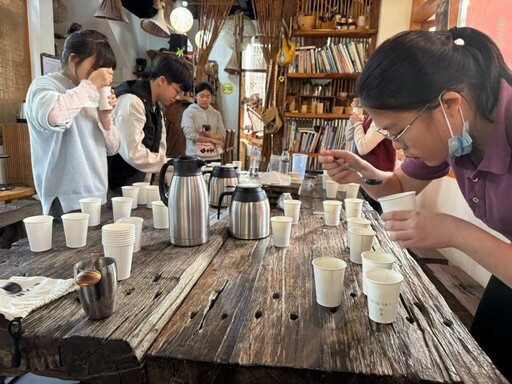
(202, 125)
(445, 98)
(70, 137)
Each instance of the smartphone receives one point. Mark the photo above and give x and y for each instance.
(206, 127)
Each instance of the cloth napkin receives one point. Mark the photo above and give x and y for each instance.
(37, 291)
(275, 178)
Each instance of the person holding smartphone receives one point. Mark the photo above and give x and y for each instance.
(202, 125)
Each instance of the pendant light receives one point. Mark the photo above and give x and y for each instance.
(156, 26)
(181, 19)
(111, 10)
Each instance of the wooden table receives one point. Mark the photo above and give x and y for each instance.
(241, 311)
(16, 193)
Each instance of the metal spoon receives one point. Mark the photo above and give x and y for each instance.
(360, 175)
(11, 287)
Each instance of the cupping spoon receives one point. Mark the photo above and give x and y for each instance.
(360, 175)
(11, 287)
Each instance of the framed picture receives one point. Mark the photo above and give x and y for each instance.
(49, 63)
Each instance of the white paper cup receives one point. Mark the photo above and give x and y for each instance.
(133, 193)
(137, 221)
(331, 189)
(123, 256)
(325, 177)
(160, 215)
(92, 206)
(103, 104)
(292, 209)
(121, 207)
(152, 194)
(357, 222)
(332, 210)
(383, 290)
(353, 204)
(238, 165)
(352, 191)
(405, 201)
(281, 230)
(75, 229)
(376, 260)
(142, 192)
(329, 276)
(39, 232)
(361, 240)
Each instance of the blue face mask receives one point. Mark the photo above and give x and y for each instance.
(458, 145)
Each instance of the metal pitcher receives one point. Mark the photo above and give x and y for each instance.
(187, 200)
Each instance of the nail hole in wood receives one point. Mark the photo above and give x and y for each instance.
(192, 314)
(157, 277)
(448, 323)
(293, 316)
(276, 295)
(410, 319)
(224, 316)
(419, 306)
(258, 314)
(333, 310)
(352, 294)
(130, 291)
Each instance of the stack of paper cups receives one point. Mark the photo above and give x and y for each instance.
(137, 221)
(118, 240)
(375, 260)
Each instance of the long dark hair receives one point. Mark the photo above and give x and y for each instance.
(411, 69)
(87, 43)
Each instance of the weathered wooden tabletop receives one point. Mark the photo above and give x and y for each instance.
(59, 340)
(241, 311)
(264, 325)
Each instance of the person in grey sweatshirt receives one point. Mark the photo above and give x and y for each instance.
(70, 137)
(202, 125)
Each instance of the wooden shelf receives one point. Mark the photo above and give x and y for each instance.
(335, 33)
(323, 75)
(326, 116)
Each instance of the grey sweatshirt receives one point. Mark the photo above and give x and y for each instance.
(192, 121)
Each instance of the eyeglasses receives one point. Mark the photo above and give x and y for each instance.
(178, 90)
(402, 132)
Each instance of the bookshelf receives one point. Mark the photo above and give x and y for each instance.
(320, 82)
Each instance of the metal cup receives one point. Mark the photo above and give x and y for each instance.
(99, 300)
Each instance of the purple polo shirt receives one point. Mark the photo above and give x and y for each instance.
(487, 187)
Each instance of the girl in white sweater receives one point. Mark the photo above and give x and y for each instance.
(69, 137)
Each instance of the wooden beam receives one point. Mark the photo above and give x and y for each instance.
(424, 11)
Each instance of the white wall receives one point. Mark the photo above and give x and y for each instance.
(40, 31)
(395, 17)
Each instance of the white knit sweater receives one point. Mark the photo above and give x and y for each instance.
(69, 160)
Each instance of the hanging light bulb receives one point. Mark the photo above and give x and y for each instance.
(202, 39)
(181, 20)
(156, 26)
